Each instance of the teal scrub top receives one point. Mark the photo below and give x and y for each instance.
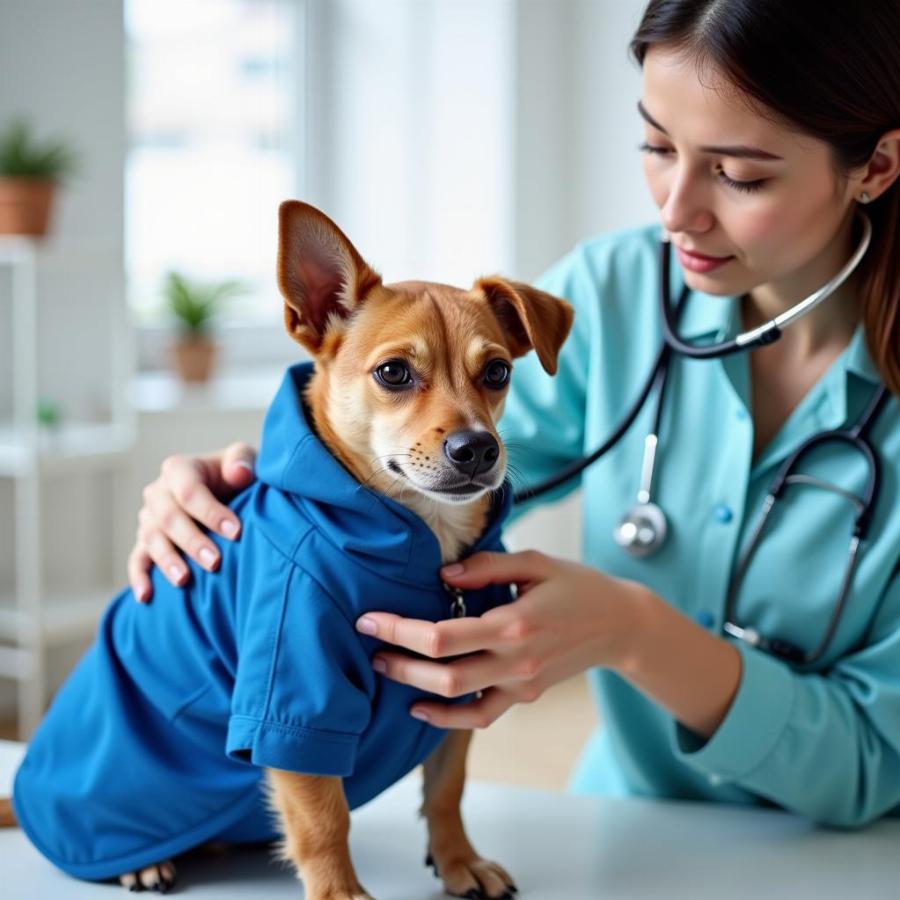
(826, 743)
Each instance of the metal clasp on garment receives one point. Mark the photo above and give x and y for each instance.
(458, 601)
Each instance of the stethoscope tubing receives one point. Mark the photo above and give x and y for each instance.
(857, 436)
(672, 342)
(644, 526)
(656, 380)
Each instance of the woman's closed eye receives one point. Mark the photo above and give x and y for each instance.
(734, 183)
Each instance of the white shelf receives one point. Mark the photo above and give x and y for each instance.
(241, 390)
(64, 448)
(65, 616)
(34, 618)
(16, 248)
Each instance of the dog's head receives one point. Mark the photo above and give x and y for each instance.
(411, 378)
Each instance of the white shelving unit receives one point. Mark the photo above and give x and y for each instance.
(35, 619)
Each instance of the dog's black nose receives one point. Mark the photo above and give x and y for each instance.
(472, 452)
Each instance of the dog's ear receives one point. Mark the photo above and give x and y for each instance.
(320, 273)
(530, 318)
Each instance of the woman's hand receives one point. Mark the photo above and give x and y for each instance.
(567, 618)
(187, 491)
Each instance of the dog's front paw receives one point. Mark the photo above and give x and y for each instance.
(468, 875)
(159, 877)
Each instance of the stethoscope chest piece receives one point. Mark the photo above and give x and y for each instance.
(642, 530)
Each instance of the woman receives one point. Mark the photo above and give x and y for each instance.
(764, 136)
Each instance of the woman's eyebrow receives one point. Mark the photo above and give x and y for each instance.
(740, 151)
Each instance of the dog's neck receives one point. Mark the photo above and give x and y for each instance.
(456, 526)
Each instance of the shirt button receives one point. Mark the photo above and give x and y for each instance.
(723, 513)
(715, 779)
(742, 414)
(704, 619)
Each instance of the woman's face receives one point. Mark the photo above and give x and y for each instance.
(734, 185)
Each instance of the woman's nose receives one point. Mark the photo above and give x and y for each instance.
(684, 208)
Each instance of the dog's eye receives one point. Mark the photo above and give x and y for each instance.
(393, 374)
(496, 373)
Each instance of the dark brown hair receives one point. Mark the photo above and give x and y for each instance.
(829, 69)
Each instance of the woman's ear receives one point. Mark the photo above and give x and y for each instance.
(882, 170)
(531, 319)
(321, 276)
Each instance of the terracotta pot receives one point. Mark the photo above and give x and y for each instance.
(194, 358)
(25, 205)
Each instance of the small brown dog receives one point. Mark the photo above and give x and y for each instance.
(451, 341)
(423, 367)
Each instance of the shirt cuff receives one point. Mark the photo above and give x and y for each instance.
(290, 747)
(752, 726)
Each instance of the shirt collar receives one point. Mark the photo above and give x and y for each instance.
(858, 359)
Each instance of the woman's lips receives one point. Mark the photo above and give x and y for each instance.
(696, 262)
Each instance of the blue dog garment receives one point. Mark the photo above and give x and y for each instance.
(154, 744)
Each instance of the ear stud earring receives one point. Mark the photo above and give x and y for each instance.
(864, 197)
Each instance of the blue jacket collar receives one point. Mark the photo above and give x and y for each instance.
(376, 531)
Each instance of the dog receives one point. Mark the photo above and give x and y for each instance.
(379, 462)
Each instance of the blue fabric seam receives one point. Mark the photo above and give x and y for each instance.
(301, 731)
(192, 698)
(297, 447)
(270, 681)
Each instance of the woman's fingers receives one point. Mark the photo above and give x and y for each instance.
(139, 564)
(160, 549)
(238, 461)
(185, 481)
(464, 676)
(478, 714)
(152, 548)
(449, 637)
(185, 497)
(166, 523)
(498, 568)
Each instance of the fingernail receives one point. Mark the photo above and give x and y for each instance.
(175, 572)
(244, 465)
(365, 625)
(455, 569)
(379, 665)
(142, 595)
(228, 528)
(207, 557)
(420, 714)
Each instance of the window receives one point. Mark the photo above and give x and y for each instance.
(214, 119)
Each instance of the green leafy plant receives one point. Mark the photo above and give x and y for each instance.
(195, 304)
(22, 155)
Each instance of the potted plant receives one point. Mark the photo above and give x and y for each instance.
(30, 170)
(195, 305)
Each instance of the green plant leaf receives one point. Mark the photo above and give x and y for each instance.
(22, 155)
(196, 304)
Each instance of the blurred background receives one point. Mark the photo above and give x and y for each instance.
(447, 138)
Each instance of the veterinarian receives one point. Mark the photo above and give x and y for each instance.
(772, 677)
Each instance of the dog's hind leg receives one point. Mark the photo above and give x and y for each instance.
(315, 821)
(7, 816)
(159, 877)
(454, 860)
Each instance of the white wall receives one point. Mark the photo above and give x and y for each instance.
(577, 170)
(411, 132)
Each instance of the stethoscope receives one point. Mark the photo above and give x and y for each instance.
(643, 529)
